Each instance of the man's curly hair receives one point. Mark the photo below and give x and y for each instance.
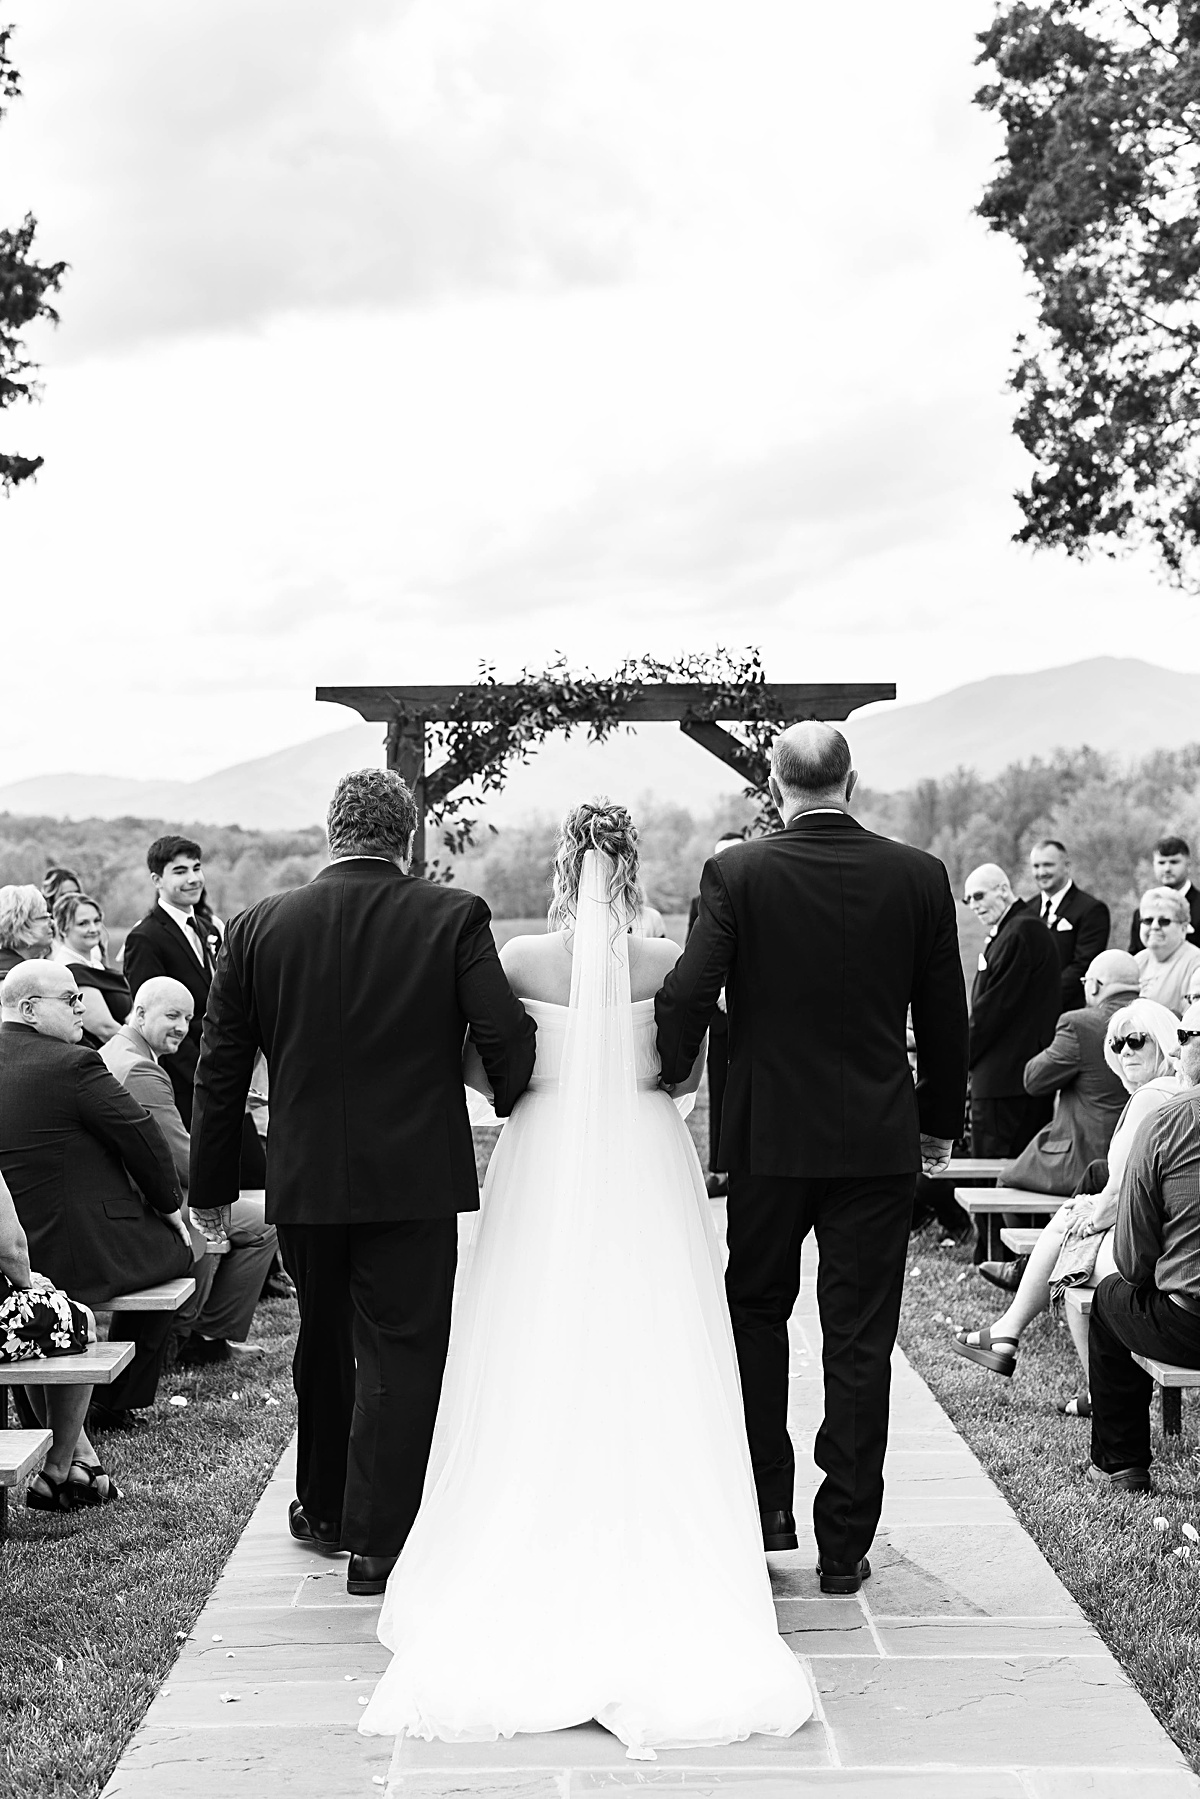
(372, 813)
(598, 824)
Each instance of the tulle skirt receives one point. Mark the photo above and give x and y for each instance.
(589, 1543)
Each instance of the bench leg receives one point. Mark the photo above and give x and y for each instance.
(1172, 1411)
(3, 1490)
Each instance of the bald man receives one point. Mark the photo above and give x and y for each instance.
(1015, 1001)
(823, 935)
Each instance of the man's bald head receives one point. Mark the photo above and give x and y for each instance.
(988, 892)
(43, 995)
(162, 1011)
(1112, 971)
(810, 766)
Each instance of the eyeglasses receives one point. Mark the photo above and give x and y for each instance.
(1161, 922)
(1135, 1040)
(74, 1000)
(973, 899)
(1186, 1037)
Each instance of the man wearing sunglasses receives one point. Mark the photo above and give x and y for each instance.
(1151, 1306)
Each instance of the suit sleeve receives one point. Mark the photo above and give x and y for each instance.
(501, 1028)
(114, 1116)
(1135, 934)
(1091, 937)
(1004, 995)
(687, 999)
(151, 1087)
(1058, 1064)
(142, 959)
(228, 1049)
(939, 1017)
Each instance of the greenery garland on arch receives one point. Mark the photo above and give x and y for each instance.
(491, 730)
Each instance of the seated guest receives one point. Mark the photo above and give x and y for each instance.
(1171, 864)
(1149, 1304)
(177, 938)
(1167, 960)
(58, 880)
(37, 1320)
(78, 927)
(26, 933)
(72, 1144)
(1078, 921)
(1075, 1248)
(1192, 993)
(228, 1285)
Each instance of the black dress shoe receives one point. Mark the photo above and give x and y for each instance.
(369, 1573)
(279, 1286)
(843, 1577)
(1006, 1275)
(324, 1534)
(198, 1352)
(779, 1530)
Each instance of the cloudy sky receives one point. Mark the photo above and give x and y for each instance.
(405, 333)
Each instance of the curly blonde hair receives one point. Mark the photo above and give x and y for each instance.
(602, 825)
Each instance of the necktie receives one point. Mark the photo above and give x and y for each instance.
(201, 944)
(1046, 903)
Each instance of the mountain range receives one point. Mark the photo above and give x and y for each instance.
(1117, 705)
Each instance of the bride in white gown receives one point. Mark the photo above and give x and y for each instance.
(589, 1544)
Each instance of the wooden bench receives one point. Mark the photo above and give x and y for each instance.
(167, 1297)
(970, 1168)
(992, 1202)
(20, 1452)
(1171, 1380)
(98, 1366)
(1019, 1239)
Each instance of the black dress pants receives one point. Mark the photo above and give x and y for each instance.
(717, 1065)
(374, 1328)
(1126, 1321)
(862, 1226)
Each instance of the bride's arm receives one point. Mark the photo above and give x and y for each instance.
(474, 1073)
(693, 1080)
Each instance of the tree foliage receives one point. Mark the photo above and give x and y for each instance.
(1098, 187)
(25, 286)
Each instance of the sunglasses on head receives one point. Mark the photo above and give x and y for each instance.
(1135, 1040)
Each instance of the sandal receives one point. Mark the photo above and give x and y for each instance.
(53, 1495)
(1079, 1406)
(999, 1361)
(92, 1493)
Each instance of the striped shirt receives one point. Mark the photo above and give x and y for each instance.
(1157, 1238)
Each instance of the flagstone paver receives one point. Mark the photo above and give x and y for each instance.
(963, 1667)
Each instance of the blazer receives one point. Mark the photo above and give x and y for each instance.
(823, 935)
(130, 1060)
(1089, 1099)
(1014, 1002)
(72, 1143)
(156, 945)
(1080, 931)
(1193, 936)
(359, 990)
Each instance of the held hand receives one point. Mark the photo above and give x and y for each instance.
(721, 1007)
(935, 1153)
(179, 1226)
(668, 1086)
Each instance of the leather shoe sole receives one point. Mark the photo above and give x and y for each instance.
(779, 1530)
(324, 1534)
(837, 1577)
(369, 1573)
(1122, 1480)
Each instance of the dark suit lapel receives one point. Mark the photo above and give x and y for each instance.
(191, 971)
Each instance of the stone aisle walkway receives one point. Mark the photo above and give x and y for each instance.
(964, 1670)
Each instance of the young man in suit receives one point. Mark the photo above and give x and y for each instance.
(1078, 922)
(172, 940)
(1172, 868)
(823, 935)
(1015, 1003)
(359, 989)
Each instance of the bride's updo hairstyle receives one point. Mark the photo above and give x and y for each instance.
(598, 824)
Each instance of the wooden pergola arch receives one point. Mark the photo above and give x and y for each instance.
(696, 706)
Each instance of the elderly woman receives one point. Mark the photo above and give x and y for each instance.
(25, 929)
(37, 1320)
(1167, 960)
(79, 926)
(1075, 1249)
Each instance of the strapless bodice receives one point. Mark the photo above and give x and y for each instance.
(551, 1024)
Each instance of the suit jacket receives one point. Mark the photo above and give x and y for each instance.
(130, 1060)
(1014, 1003)
(1193, 936)
(1080, 931)
(823, 935)
(72, 1142)
(359, 989)
(156, 945)
(1089, 1099)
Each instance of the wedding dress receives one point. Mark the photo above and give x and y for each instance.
(589, 1544)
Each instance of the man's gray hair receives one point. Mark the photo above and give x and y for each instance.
(811, 758)
(1169, 897)
(372, 813)
(16, 905)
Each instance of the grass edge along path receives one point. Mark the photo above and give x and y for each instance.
(1129, 1561)
(93, 1602)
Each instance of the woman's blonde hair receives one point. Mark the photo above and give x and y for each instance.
(600, 825)
(17, 904)
(1157, 1022)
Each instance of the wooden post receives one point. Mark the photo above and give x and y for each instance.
(406, 754)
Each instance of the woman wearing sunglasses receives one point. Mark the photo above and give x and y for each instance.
(1075, 1249)
(1166, 961)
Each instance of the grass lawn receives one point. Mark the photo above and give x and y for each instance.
(91, 1603)
(1139, 1593)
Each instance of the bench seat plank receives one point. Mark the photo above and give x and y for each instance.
(966, 1168)
(1078, 1299)
(99, 1365)
(1019, 1239)
(1167, 1374)
(20, 1451)
(981, 1201)
(167, 1297)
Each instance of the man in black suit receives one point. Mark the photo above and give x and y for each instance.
(823, 935)
(1078, 922)
(717, 1057)
(1015, 1003)
(359, 989)
(172, 940)
(1172, 868)
(72, 1143)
